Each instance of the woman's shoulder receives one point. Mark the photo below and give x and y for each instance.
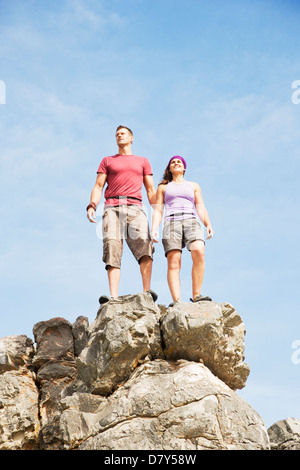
(162, 187)
(193, 184)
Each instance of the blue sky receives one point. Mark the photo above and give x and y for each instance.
(208, 80)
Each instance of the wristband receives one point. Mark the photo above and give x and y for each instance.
(93, 205)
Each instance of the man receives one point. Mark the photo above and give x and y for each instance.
(124, 174)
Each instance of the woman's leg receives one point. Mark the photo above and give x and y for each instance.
(198, 258)
(174, 265)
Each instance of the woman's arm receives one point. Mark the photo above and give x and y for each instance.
(158, 212)
(201, 210)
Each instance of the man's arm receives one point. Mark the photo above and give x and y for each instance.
(150, 189)
(96, 196)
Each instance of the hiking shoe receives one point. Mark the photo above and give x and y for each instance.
(153, 294)
(200, 297)
(103, 299)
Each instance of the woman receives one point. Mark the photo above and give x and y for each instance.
(182, 200)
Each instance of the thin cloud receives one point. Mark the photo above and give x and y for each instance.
(91, 13)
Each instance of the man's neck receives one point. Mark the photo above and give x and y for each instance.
(125, 150)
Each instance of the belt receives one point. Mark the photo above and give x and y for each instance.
(182, 213)
(124, 197)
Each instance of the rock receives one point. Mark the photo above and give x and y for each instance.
(15, 351)
(125, 333)
(19, 420)
(80, 331)
(140, 377)
(209, 332)
(195, 411)
(54, 340)
(56, 368)
(285, 435)
(79, 418)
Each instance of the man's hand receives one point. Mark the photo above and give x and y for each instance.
(91, 215)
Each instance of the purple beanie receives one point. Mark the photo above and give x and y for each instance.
(179, 158)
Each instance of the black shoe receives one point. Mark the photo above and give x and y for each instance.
(199, 298)
(153, 295)
(103, 299)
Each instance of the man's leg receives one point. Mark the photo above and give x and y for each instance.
(114, 275)
(112, 249)
(146, 272)
(138, 241)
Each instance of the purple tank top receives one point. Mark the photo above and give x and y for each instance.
(179, 199)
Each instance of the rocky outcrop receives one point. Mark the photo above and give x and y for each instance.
(175, 405)
(285, 435)
(141, 376)
(19, 395)
(125, 333)
(55, 366)
(216, 332)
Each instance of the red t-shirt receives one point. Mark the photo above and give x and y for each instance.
(125, 177)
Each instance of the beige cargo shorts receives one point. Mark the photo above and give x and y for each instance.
(180, 233)
(127, 222)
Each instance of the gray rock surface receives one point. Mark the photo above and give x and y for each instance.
(196, 410)
(125, 333)
(216, 332)
(15, 352)
(285, 435)
(141, 376)
(19, 395)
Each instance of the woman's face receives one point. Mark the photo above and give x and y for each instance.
(176, 166)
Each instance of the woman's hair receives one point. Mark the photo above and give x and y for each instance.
(167, 176)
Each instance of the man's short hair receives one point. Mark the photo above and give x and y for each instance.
(124, 127)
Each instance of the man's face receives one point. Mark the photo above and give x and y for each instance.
(123, 137)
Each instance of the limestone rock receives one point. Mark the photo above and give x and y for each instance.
(56, 368)
(195, 411)
(141, 376)
(125, 333)
(285, 435)
(15, 351)
(209, 332)
(80, 331)
(79, 418)
(54, 340)
(19, 421)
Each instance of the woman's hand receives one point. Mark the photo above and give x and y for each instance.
(154, 236)
(209, 232)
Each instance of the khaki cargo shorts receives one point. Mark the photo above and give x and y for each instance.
(178, 233)
(129, 222)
